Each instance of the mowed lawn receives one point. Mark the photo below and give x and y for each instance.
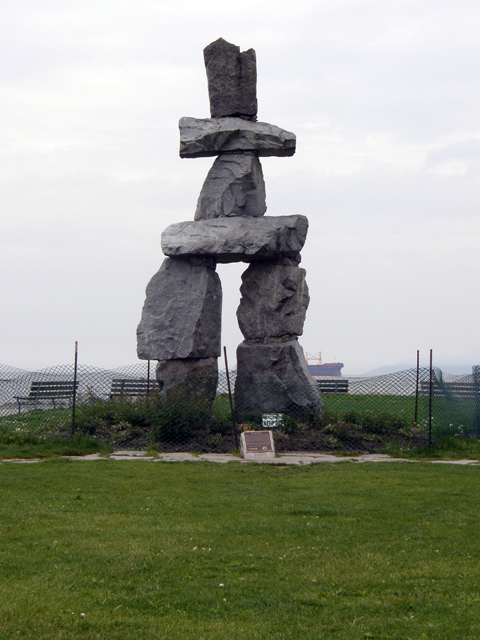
(201, 550)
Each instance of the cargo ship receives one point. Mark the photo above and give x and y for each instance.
(323, 369)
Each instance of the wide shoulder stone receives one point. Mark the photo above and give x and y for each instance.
(239, 239)
(201, 138)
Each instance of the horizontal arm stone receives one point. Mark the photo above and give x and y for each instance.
(238, 239)
(201, 138)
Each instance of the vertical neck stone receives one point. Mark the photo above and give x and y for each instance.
(232, 80)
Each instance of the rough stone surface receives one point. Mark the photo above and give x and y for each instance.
(181, 317)
(194, 377)
(273, 378)
(201, 138)
(234, 187)
(232, 80)
(237, 239)
(274, 302)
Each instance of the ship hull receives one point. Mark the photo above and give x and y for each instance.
(327, 369)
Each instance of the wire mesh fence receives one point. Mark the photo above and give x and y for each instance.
(126, 408)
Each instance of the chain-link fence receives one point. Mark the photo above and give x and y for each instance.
(126, 408)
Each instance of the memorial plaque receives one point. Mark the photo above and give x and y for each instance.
(257, 442)
(257, 445)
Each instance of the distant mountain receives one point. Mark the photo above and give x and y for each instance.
(456, 364)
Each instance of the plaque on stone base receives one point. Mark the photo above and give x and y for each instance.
(257, 445)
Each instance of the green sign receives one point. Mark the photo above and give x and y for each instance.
(271, 420)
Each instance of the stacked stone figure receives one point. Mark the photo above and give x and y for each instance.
(181, 318)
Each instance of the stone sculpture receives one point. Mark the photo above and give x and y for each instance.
(181, 317)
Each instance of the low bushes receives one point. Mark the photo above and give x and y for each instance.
(178, 420)
(349, 431)
(174, 418)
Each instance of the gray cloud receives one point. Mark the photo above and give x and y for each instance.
(383, 98)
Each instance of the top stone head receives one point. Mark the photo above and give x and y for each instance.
(232, 80)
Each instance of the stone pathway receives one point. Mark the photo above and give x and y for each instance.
(282, 460)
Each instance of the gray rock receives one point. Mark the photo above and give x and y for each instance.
(237, 239)
(274, 302)
(201, 138)
(232, 80)
(197, 378)
(181, 317)
(234, 187)
(273, 378)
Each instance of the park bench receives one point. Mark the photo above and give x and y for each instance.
(52, 391)
(457, 389)
(130, 387)
(333, 386)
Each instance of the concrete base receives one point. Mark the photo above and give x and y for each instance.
(257, 445)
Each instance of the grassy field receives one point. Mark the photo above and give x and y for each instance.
(448, 415)
(35, 434)
(204, 551)
(342, 403)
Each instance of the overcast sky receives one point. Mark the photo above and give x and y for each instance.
(383, 96)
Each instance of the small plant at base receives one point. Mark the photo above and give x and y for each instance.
(214, 441)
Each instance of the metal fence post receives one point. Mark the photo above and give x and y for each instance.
(232, 411)
(430, 401)
(416, 386)
(74, 387)
(476, 395)
(148, 379)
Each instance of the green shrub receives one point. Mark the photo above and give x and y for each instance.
(376, 422)
(214, 441)
(221, 416)
(159, 418)
(289, 425)
(18, 436)
(341, 430)
(177, 415)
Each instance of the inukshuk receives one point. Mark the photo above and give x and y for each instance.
(181, 318)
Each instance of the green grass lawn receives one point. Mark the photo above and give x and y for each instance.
(450, 416)
(35, 434)
(206, 551)
(446, 449)
(341, 403)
